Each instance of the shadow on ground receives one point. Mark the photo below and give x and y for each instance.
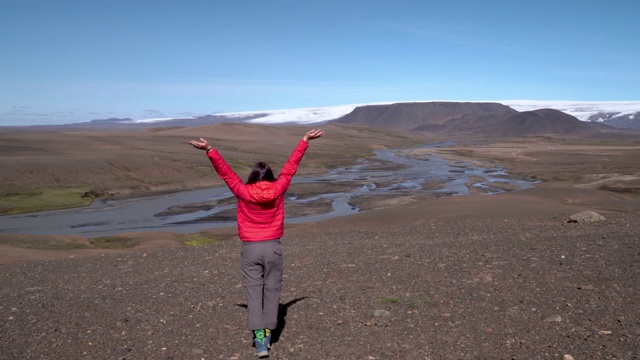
(282, 316)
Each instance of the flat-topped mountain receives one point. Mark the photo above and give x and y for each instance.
(409, 116)
(451, 118)
(536, 122)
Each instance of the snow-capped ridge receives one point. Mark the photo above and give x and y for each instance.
(582, 110)
(298, 116)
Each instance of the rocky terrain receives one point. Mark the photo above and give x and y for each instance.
(508, 276)
(481, 277)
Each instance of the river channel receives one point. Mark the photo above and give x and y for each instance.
(310, 198)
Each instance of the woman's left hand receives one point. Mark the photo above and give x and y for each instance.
(312, 134)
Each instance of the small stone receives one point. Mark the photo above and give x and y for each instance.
(553, 318)
(567, 357)
(381, 313)
(198, 351)
(586, 216)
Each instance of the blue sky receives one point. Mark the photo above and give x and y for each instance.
(66, 61)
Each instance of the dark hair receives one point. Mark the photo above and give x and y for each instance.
(260, 172)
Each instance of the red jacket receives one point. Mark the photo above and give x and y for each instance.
(261, 205)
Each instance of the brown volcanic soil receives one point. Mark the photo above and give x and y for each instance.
(481, 277)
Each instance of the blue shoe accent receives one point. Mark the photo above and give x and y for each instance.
(262, 346)
(267, 339)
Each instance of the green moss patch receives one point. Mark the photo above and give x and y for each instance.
(39, 242)
(114, 242)
(196, 239)
(45, 198)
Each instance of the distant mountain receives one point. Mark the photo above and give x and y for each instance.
(126, 123)
(625, 114)
(109, 121)
(618, 119)
(504, 124)
(430, 116)
(409, 116)
(620, 114)
(472, 119)
(200, 120)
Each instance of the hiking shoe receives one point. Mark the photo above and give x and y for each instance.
(262, 347)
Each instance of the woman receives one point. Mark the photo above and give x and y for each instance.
(260, 216)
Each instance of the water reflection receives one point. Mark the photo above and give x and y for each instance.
(390, 173)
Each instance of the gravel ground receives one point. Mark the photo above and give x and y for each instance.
(497, 288)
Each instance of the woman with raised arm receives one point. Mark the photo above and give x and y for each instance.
(260, 216)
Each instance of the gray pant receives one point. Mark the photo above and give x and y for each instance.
(261, 264)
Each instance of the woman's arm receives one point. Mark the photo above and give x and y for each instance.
(292, 163)
(291, 166)
(223, 169)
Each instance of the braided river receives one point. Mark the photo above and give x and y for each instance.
(391, 173)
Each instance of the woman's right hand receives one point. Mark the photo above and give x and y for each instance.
(202, 144)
